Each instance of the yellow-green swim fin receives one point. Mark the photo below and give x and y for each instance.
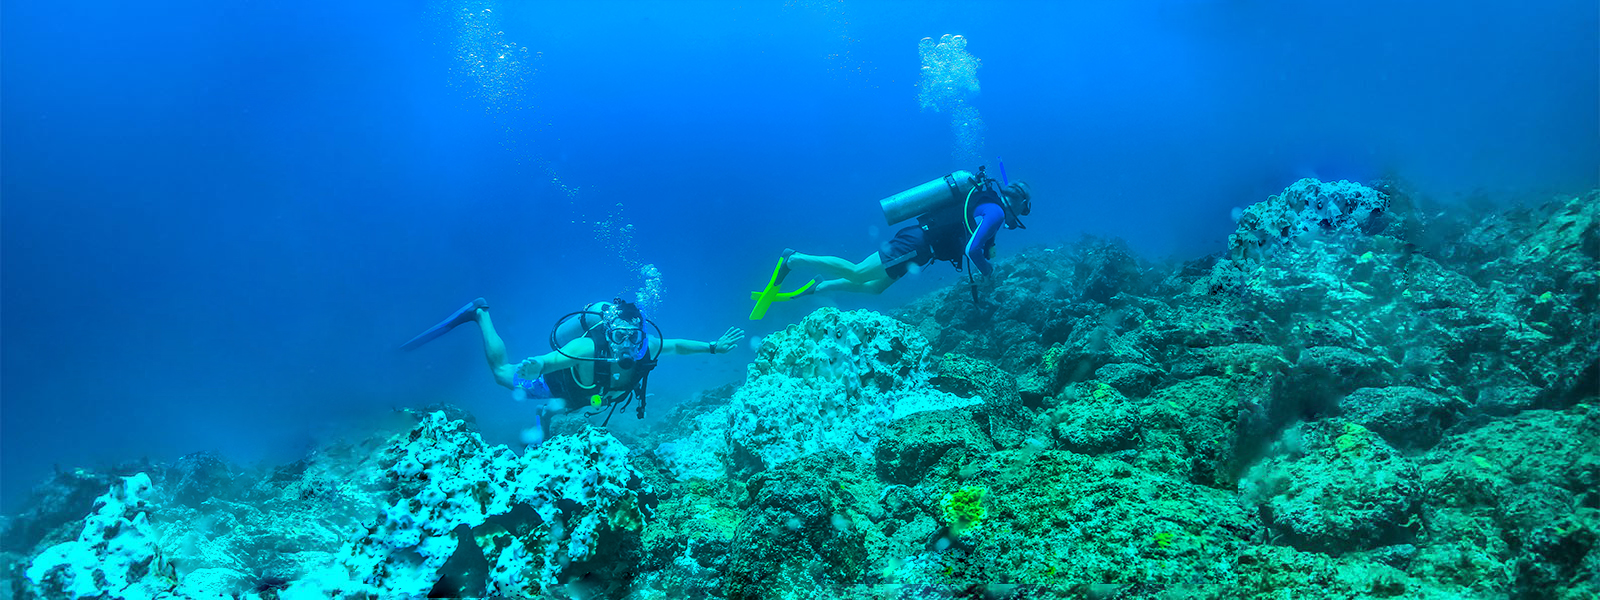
(766, 297)
(786, 296)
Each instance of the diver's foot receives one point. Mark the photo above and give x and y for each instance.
(810, 288)
(783, 271)
(470, 311)
(465, 314)
(533, 437)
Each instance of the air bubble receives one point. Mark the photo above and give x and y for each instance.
(949, 83)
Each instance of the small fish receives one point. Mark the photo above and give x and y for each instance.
(1564, 226)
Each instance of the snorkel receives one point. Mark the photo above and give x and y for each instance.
(1013, 218)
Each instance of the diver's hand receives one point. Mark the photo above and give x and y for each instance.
(728, 341)
(530, 369)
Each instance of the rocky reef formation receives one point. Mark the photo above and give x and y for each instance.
(429, 511)
(834, 380)
(1351, 400)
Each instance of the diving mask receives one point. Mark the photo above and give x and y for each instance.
(620, 334)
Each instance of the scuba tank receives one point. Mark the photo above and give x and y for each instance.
(578, 324)
(955, 189)
(925, 198)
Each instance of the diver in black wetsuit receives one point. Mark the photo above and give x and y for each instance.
(600, 356)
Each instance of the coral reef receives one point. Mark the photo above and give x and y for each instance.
(428, 510)
(1342, 489)
(1352, 400)
(565, 511)
(1511, 506)
(1307, 207)
(834, 380)
(116, 554)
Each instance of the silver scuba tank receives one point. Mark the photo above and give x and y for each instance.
(934, 194)
(578, 325)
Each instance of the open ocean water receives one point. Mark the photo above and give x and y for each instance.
(1303, 303)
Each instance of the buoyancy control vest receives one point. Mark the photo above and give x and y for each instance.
(948, 228)
(617, 380)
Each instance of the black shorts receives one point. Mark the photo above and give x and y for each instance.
(909, 246)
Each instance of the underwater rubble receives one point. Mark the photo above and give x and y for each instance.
(1353, 399)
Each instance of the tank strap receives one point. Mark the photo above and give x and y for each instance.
(640, 391)
(602, 351)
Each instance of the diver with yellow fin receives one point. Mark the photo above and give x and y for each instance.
(600, 356)
(957, 215)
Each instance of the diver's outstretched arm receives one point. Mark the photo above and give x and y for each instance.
(989, 216)
(532, 367)
(553, 361)
(723, 345)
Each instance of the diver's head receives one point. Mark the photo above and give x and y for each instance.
(1019, 202)
(625, 332)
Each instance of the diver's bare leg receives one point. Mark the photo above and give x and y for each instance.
(865, 271)
(875, 286)
(494, 349)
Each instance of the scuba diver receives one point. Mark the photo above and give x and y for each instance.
(601, 355)
(957, 216)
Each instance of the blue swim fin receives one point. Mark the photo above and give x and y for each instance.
(467, 313)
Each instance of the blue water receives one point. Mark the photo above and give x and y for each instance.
(219, 218)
